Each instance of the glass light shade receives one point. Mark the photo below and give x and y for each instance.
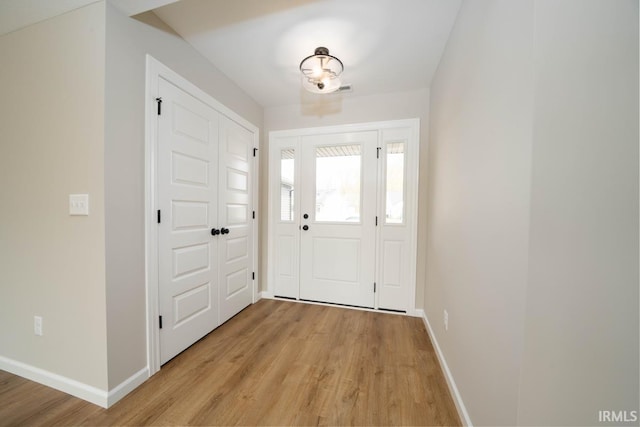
(320, 72)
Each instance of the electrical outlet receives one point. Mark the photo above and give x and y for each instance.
(446, 320)
(37, 325)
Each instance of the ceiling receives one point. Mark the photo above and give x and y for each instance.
(386, 45)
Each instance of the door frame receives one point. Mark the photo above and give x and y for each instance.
(156, 70)
(413, 125)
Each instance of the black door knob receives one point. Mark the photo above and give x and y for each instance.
(224, 230)
(305, 227)
(305, 216)
(215, 231)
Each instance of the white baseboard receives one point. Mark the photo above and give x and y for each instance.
(457, 399)
(127, 386)
(75, 388)
(266, 295)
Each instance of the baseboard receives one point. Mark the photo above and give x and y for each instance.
(457, 399)
(67, 385)
(266, 295)
(127, 386)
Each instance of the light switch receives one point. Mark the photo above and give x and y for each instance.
(78, 204)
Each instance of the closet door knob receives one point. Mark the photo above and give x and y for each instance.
(224, 230)
(215, 231)
(305, 227)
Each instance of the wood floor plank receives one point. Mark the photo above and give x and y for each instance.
(275, 363)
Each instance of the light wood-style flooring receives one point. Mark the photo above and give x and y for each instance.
(275, 363)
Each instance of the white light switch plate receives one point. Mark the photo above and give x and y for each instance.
(78, 204)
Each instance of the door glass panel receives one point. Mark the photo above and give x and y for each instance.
(287, 189)
(395, 183)
(338, 183)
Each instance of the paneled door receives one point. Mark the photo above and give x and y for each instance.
(236, 151)
(338, 218)
(187, 198)
(343, 214)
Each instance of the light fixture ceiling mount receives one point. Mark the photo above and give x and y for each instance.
(321, 71)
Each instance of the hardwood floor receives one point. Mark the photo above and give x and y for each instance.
(275, 363)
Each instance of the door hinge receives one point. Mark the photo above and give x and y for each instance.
(255, 150)
(376, 221)
(159, 101)
(378, 152)
(254, 215)
(159, 216)
(160, 321)
(374, 287)
(253, 276)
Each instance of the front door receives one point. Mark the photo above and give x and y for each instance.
(338, 218)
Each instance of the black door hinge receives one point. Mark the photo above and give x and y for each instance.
(159, 101)
(254, 214)
(374, 287)
(159, 216)
(378, 152)
(376, 221)
(253, 276)
(160, 321)
(255, 150)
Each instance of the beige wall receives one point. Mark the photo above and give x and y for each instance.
(478, 215)
(533, 210)
(53, 264)
(127, 42)
(581, 335)
(348, 108)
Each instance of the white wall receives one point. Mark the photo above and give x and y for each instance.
(581, 340)
(478, 203)
(337, 109)
(53, 264)
(127, 42)
(533, 209)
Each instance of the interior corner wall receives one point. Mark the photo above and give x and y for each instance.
(52, 264)
(127, 42)
(581, 335)
(339, 109)
(478, 203)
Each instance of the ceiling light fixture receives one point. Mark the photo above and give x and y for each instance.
(320, 72)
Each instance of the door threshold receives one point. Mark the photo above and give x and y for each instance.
(337, 305)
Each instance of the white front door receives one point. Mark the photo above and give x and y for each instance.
(343, 214)
(235, 216)
(338, 218)
(187, 196)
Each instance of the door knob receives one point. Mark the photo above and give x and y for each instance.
(305, 216)
(215, 231)
(305, 227)
(224, 230)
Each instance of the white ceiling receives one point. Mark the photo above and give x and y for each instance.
(385, 45)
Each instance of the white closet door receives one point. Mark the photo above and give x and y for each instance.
(187, 195)
(235, 217)
(338, 208)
